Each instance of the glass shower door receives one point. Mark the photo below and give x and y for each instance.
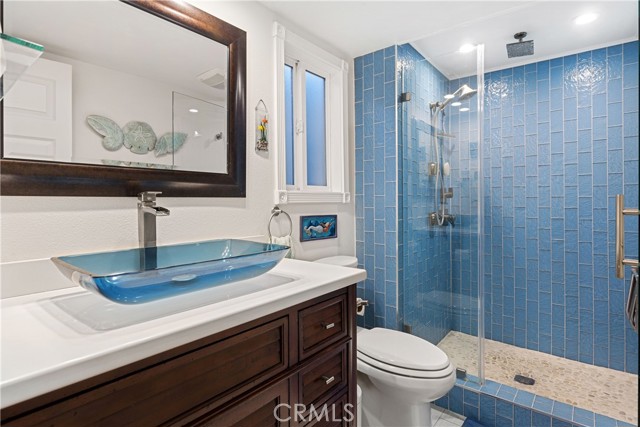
(440, 201)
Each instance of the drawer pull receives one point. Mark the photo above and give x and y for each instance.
(328, 380)
(328, 325)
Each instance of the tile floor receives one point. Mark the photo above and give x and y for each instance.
(601, 390)
(445, 418)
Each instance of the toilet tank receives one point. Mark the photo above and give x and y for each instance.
(342, 260)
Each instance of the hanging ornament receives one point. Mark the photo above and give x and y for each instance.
(262, 127)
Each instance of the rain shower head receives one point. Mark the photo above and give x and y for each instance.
(520, 48)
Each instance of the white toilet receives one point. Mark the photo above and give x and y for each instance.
(400, 374)
(343, 260)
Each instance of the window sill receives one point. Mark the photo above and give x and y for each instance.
(291, 197)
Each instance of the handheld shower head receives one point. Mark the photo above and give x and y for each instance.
(463, 93)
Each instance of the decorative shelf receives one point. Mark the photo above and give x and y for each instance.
(16, 56)
(445, 135)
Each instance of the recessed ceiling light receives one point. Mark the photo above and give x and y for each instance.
(585, 19)
(193, 110)
(466, 48)
(456, 104)
(196, 133)
(449, 96)
(464, 109)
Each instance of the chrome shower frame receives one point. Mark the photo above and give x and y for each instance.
(480, 212)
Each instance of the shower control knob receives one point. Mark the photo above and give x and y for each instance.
(433, 219)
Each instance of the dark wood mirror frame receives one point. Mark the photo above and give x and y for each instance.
(35, 178)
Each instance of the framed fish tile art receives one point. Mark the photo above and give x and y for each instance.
(318, 227)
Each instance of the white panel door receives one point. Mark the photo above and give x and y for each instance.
(37, 114)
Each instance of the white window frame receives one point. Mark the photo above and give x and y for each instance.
(295, 51)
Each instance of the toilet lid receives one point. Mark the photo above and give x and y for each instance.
(401, 350)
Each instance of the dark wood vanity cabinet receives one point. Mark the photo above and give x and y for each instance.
(299, 363)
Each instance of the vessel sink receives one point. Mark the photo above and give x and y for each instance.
(146, 274)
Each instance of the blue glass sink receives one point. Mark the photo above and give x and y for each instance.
(146, 274)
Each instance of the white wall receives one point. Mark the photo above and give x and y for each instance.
(125, 97)
(41, 227)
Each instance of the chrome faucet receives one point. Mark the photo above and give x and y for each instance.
(147, 213)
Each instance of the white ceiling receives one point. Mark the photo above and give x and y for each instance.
(438, 28)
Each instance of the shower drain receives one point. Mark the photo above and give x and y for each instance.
(524, 380)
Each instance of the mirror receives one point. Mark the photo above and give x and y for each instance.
(125, 99)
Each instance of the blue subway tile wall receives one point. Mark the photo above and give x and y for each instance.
(376, 181)
(424, 267)
(561, 140)
(496, 404)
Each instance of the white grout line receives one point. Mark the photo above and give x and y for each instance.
(452, 417)
(436, 414)
(445, 423)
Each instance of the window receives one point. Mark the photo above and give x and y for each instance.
(310, 132)
(316, 129)
(288, 118)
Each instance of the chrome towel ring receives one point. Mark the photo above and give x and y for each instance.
(276, 211)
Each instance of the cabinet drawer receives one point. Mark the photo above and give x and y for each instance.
(339, 414)
(267, 408)
(322, 324)
(221, 370)
(323, 377)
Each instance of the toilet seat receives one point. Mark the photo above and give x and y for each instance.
(402, 354)
(402, 372)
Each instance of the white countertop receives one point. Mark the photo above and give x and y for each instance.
(56, 338)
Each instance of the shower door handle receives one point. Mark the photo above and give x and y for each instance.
(620, 259)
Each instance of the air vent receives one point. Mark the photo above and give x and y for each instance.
(214, 78)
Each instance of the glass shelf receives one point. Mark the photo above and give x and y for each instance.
(146, 274)
(16, 56)
(445, 135)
